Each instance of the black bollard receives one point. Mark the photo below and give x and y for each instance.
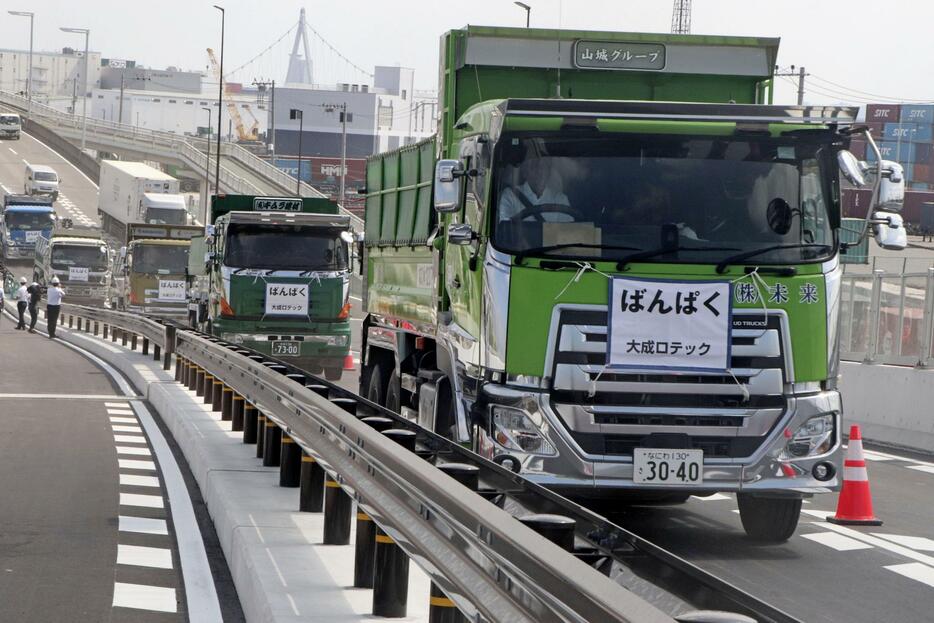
(104, 333)
(217, 395)
(260, 434)
(145, 342)
(96, 328)
(556, 528)
(226, 403)
(337, 507)
(311, 494)
(201, 379)
(290, 463)
(441, 609)
(378, 423)
(318, 388)
(133, 342)
(298, 378)
(79, 323)
(123, 336)
(113, 333)
(250, 422)
(347, 404)
(178, 368)
(391, 578)
(272, 452)
(71, 323)
(364, 561)
(236, 413)
(192, 376)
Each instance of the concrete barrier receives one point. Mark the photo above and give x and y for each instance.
(68, 150)
(894, 405)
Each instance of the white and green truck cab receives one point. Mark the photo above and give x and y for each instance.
(80, 259)
(616, 269)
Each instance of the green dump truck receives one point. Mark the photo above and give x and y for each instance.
(616, 269)
(150, 273)
(273, 275)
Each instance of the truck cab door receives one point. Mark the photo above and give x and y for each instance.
(462, 274)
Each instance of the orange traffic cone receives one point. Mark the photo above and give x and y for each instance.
(348, 362)
(855, 504)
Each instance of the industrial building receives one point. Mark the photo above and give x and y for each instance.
(56, 76)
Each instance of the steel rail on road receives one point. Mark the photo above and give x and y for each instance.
(471, 545)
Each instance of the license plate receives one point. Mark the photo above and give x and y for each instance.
(288, 349)
(664, 466)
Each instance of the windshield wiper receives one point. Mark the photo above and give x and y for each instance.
(739, 257)
(650, 253)
(520, 256)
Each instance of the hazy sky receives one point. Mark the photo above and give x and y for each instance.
(876, 49)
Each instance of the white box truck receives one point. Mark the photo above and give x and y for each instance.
(133, 192)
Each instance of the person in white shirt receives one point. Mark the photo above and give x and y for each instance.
(541, 188)
(22, 301)
(53, 305)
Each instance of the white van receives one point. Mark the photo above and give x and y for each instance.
(41, 180)
(10, 125)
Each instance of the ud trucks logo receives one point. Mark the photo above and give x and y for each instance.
(276, 204)
(616, 55)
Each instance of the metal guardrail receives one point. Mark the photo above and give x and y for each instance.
(471, 545)
(125, 326)
(185, 147)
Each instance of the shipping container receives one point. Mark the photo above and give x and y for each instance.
(924, 153)
(850, 231)
(320, 170)
(858, 149)
(922, 173)
(913, 132)
(927, 217)
(882, 113)
(876, 129)
(917, 113)
(911, 211)
(902, 153)
(856, 202)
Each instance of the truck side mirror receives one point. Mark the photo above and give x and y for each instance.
(448, 174)
(122, 252)
(850, 169)
(889, 230)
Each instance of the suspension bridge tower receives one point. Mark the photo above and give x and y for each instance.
(681, 17)
(300, 66)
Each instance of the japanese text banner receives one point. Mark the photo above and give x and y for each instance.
(286, 299)
(672, 325)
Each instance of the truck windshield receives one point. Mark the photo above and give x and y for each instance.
(156, 259)
(706, 198)
(27, 220)
(285, 247)
(9, 120)
(166, 216)
(45, 176)
(64, 256)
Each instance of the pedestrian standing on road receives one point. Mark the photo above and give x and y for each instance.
(35, 295)
(53, 305)
(22, 301)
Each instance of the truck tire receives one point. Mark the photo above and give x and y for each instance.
(373, 384)
(394, 393)
(333, 374)
(768, 519)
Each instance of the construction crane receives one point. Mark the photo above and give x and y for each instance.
(243, 135)
(681, 17)
(254, 129)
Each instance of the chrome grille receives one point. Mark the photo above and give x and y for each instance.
(612, 411)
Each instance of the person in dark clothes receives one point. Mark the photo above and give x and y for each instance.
(35, 295)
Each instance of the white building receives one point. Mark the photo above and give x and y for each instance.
(56, 76)
(382, 116)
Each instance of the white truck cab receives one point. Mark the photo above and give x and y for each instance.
(41, 180)
(10, 125)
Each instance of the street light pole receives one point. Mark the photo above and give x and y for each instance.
(528, 11)
(220, 105)
(84, 94)
(31, 17)
(295, 113)
(207, 170)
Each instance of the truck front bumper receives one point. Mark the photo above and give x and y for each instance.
(765, 471)
(316, 351)
(19, 252)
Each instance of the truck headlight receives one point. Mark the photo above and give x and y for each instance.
(513, 429)
(815, 436)
(337, 340)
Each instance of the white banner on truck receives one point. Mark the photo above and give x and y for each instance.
(76, 273)
(172, 290)
(669, 325)
(32, 236)
(286, 299)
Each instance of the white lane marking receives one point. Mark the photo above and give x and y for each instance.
(133, 450)
(200, 592)
(140, 499)
(918, 543)
(13, 150)
(141, 597)
(24, 160)
(712, 498)
(915, 571)
(143, 525)
(129, 439)
(895, 457)
(816, 513)
(131, 464)
(6, 190)
(869, 455)
(126, 429)
(881, 543)
(157, 557)
(132, 480)
(836, 541)
(58, 396)
(928, 469)
(123, 420)
(356, 298)
(112, 411)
